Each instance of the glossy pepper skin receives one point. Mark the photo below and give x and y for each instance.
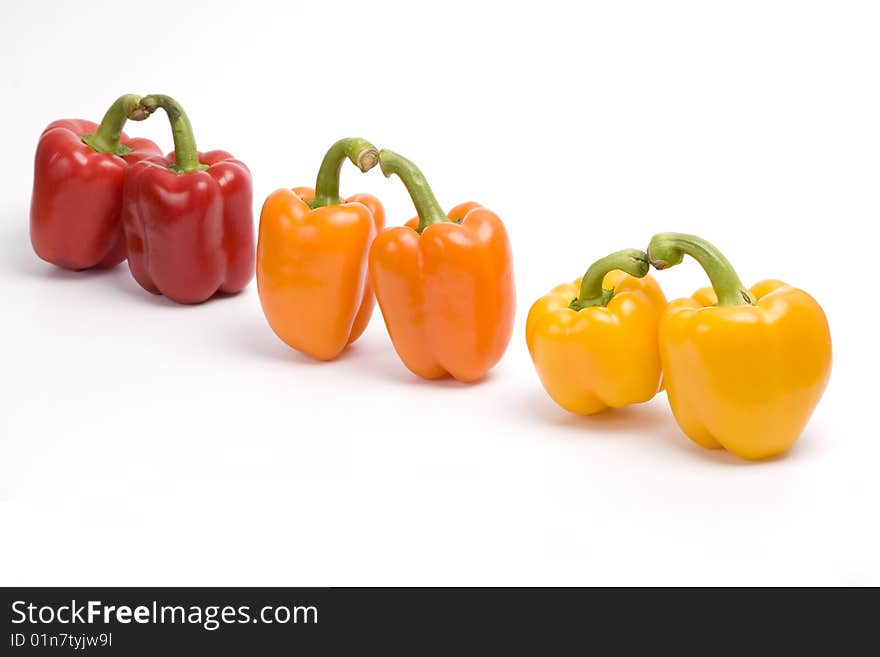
(594, 341)
(744, 369)
(444, 283)
(312, 257)
(76, 203)
(188, 218)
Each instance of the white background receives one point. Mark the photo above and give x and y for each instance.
(149, 443)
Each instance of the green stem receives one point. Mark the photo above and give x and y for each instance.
(423, 198)
(631, 261)
(106, 137)
(185, 153)
(668, 250)
(361, 153)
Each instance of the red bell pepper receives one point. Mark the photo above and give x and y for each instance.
(78, 176)
(188, 217)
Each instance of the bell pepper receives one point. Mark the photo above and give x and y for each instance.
(188, 218)
(312, 257)
(594, 342)
(77, 196)
(444, 283)
(744, 369)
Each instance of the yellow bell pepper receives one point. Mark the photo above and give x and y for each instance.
(744, 369)
(594, 341)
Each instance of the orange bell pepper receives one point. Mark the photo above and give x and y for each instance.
(594, 341)
(744, 369)
(312, 257)
(444, 283)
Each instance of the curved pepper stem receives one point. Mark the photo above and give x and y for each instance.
(631, 261)
(106, 137)
(361, 153)
(668, 250)
(423, 198)
(185, 153)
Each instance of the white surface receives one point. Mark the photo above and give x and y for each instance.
(148, 443)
